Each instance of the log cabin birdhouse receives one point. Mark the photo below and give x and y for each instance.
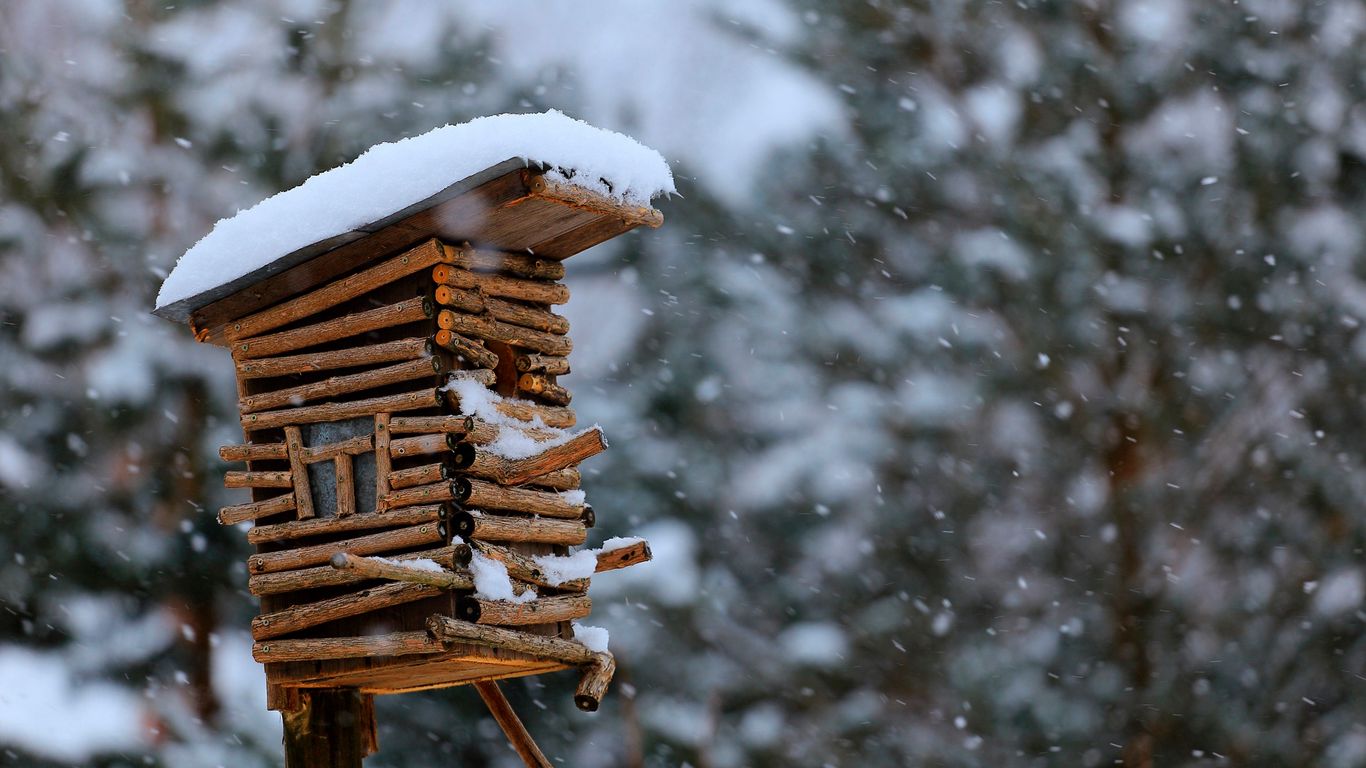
(410, 451)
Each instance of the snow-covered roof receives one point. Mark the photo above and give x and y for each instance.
(392, 177)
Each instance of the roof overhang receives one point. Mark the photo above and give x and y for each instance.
(508, 206)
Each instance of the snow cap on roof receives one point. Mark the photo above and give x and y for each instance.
(390, 177)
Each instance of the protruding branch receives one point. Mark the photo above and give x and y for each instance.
(544, 387)
(533, 363)
(595, 677)
(469, 349)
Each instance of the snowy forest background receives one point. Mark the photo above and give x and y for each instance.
(993, 394)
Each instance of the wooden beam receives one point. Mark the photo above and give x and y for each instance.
(325, 526)
(312, 414)
(411, 310)
(312, 362)
(413, 260)
(372, 544)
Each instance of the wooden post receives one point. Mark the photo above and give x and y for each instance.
(331, 728)
(512, 726)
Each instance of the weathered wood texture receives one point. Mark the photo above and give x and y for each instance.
(596, 676)
(469, 525)
(544, 387)
(323, 526)
(353, 446)
(485, 495)
(345, 289)
(579, 197)
(312, 414)
(374, 543)
(424, 474)
(507, 311)
(391, 644)
(445, 629)
(255, 510)
(261, 452)
(502, 286)
(341, 385)
(582, 446)
(624, 557)
(257, 480)
(403, 425)
(303, 616)
(542, 610)
(534, 363)
(331, 728)
(383, 467)
(346, 486)
(313, 362)
(409, 311)
(507, 719)
(317, 577)
(521, 265)
(481, 327)
(468, 349)
(522, 410)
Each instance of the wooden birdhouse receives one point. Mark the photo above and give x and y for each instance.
(411, 453)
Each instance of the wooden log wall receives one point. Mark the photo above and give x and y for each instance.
(358, 349)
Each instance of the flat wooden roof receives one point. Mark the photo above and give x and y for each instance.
(507, 207)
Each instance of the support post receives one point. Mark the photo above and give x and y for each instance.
(331, 728)
(512, 726)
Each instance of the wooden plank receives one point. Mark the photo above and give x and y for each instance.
(312, 414)
(535, 291)
(313, 362)
(342, 385)
(412, 310)
(413, 260)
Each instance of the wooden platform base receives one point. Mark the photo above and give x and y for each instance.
(402, 674)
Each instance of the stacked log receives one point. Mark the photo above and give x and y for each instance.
(475, 464)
